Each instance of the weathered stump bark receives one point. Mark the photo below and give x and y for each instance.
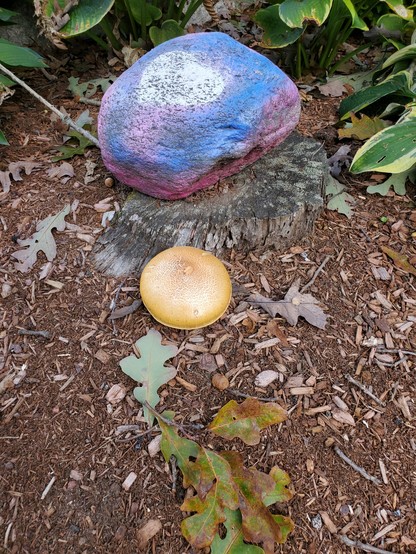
(270, 204)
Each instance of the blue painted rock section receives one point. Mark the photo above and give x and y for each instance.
(192, 111)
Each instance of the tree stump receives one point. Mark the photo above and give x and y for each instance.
(270, 204)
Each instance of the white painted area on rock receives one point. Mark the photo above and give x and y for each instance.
(178, 78)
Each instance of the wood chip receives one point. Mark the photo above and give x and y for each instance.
(403, 405)
(317, 410)
(147, 532)
(102, 356)
(54, 284)
(343, 417)
(265, 378)
(188, 386)
(129, 480)
(217, 343)
(154, 446)
(332, 528)
(267, 344)
(116, 394)
(383, 472)
(300, 391)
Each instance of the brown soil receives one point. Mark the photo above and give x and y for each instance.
(55, 416)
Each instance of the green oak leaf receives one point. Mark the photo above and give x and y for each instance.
(245, 420)
(149, 370)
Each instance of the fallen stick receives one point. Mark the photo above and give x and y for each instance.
(315, 275)
(357, 468)
(364, 546)
(44, 334)
(365, 389)
(65, 118)
(396, 351)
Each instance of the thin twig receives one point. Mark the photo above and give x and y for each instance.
(65, 118)
(396, 351)
(359, 469)
(44, 334)
(174, 467)
(365, 389)
(169, 422)
(315, 275)
(363, 546)
(243, 395)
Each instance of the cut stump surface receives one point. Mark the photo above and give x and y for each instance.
(270, 204)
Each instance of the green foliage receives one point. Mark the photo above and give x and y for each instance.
(391, 94)
(228, 492)
(3, 140)
(149, 370)
(246, 420)
(289, 21)
(120, 20)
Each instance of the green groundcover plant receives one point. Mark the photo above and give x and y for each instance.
(121, 21)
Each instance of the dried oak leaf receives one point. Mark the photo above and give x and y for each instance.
(294, 305)
(149, 370)
(41, 240)
(245, 420)
(400, 260)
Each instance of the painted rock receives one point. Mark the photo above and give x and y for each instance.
(193, 110)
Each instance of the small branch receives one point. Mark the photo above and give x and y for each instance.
(396, 351)
(315, 275)
(167, 421)
(243, 395)
(65, 118)
(354, 466)
(365, 389)
(44, 334)
(363, 546)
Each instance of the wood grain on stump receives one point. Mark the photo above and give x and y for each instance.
(270, 204)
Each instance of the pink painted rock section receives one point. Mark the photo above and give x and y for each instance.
(192, 111)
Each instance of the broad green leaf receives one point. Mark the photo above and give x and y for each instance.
(3, 140)
(276, 33)
(216, 491)
(406, 53)
(5, 81)
(85, 16)
(392, 150)
(297, 12)
(42, 240)
(356, 21)
(259, 525)
(233, 542)
(399, 83)
(398, 7)
(396, 180)
(245, 420)
(280, 492)
(362, 128)
(11, 54)
(169, 29)
(183, 449)
(6, 15)
(143, 12)
(390, 22)
(400, 260)
(149, 370)
(338, 199)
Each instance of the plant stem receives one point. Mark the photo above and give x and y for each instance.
(299, 59)
(106, 25)
(132, 20)
(66, 119)
(347, 57)
(190, 12)
(97, 39)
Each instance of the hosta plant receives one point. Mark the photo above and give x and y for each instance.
(123, 22)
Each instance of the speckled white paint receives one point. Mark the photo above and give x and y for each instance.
(178, 78)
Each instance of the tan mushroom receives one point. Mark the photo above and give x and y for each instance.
(185, 288)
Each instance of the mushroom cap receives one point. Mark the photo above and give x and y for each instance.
(185, 288)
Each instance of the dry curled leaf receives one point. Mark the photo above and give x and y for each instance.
(400, 260)
(294, 305)
(14, 170)
(41, 240)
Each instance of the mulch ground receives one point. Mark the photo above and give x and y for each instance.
(58, 428)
